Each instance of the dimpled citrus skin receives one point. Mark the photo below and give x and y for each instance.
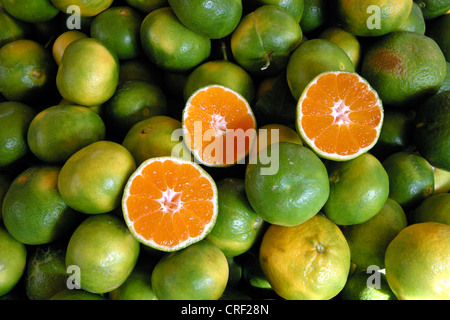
(59, 131)
(312, 58)
(169, 44)
(203, 277)
(13, 262)
(105, 258)
(294, 192)
(404, 67)
(88, 73)
(15, 118)
(33, 210)
(92, 179)
(358, 190)
(310, 261)
(264, 40)
(356, 15)
(213, 19)
(418, 264)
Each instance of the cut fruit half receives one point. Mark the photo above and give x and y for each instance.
(339, 115)
(218, 126)
(170, 203)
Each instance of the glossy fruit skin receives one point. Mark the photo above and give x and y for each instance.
(221, 72)
(12, 29)
(13, 263)
(368, 240)
(31, 11)
(293, 193)
(203, 277)
(213, 19)
(356, 16)
(88, 73)
(432, 132)
(315, 14)
(147, 6)
(433, 209)
(118, 28)
(433, 8)
(92, 179)
(87, 8)
(417, 264)
(34, 212)
(404, 67)
(411, 178)
(310, 261)
(358, 190)
(346, 41)
(59, 131)
(415, 21)
(152, 137)
(138, 285)
(312, 58)
(15, 118)
(132, 102)
(169, 44)
(27, 70)
(237, 225)
(113, 251)
(356, 287)
(258, 48)
(63, 40)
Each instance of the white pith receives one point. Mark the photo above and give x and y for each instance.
(219, 124)
(341, 114)
(169, 201)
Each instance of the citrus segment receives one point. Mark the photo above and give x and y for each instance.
(170, 203)
(218, 126)
(339, 115)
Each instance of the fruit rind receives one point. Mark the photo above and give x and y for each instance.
(151, 243)
(310, 143)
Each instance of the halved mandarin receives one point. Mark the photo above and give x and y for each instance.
(339, 115)
(170, 203)
(218, 126)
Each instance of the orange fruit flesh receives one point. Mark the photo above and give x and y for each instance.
(219, 124)
(170, 203)
(340, 114)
